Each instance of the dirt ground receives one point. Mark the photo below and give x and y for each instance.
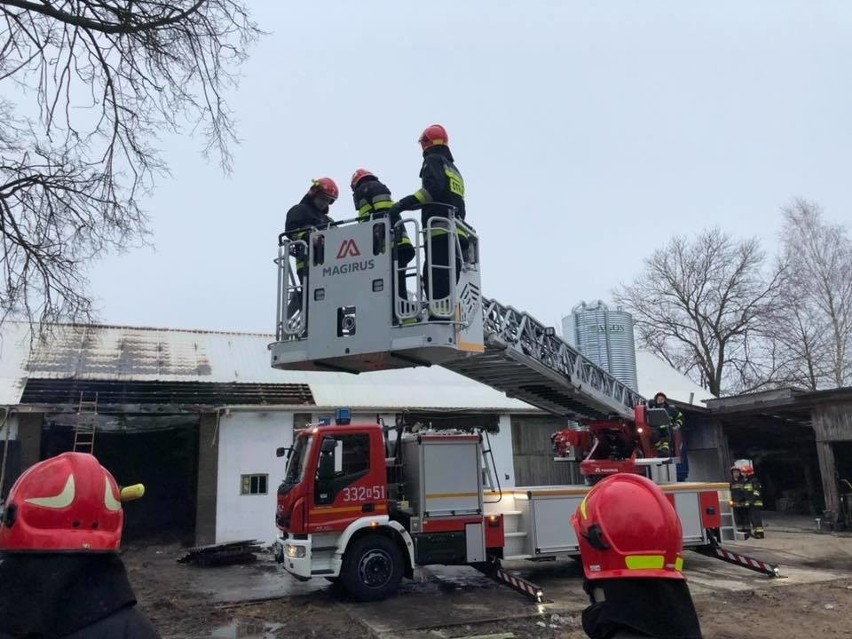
(185, 602)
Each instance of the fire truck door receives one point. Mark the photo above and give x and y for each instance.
(346, 486)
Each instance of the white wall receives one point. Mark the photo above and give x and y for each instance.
(247, 443)
(11, 426)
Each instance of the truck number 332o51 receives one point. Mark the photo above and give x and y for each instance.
(363, 493)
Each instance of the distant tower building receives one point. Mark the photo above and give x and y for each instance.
(605, 337)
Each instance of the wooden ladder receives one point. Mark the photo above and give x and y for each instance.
(84, 430)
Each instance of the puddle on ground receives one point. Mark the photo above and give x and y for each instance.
(247, 629)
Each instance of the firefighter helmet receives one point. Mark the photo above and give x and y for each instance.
(434, 135)
(325, 186)
(68, 503)
(359, 175)
(626, 528)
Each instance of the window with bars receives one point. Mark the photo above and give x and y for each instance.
(253, 484)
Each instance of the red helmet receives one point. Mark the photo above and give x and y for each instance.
(433, 136)
(359, 175)
(66, 503)
(627, 528)
(326, 186)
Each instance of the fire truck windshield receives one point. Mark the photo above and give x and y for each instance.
(299, 460)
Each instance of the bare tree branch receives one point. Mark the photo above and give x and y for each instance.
(95, 82)
(814, 330)
(698, 303)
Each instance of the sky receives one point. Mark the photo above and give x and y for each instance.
(588, 134)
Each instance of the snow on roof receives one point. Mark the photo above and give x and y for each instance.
(120, 353)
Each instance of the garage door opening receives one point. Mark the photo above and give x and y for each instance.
(165, 460)
(785, 461)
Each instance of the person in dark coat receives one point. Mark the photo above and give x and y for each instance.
(60, 573)
(440, 196)
(373, 201)
(753, 493)
(739, 501)
(310, 213)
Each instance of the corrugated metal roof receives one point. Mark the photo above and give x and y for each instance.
(128, 354)
(132, 354)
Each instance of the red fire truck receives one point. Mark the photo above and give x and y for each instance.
(363, 504)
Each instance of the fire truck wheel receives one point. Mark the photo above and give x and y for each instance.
(372, 568)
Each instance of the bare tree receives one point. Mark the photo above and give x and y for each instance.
(814, 328)
(701, 304)
(95, 83)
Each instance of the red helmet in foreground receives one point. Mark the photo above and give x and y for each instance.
(434, 135)
(626, 527)
(359, 175)
(325, 186)
(68, 503)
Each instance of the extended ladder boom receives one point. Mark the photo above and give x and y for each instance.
(349, 315)
(525, 359)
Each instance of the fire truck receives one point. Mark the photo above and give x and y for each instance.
(365, 504)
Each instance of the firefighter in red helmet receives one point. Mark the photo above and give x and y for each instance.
(310, 212)
(631, 545)
(373, 201)
(440, 195)
(60, 571)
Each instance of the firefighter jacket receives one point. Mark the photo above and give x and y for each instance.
(442, 184)
(739, 496)
(752, 492)
(304, 215)
(68, 595)
(373, 201)
(675, 415)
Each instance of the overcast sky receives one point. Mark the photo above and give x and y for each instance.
(587, 133)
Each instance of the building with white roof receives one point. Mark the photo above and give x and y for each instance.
(197, 416)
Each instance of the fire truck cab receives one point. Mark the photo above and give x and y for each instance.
(348, 512)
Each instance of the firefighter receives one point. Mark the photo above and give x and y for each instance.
(60, 571)
(441, 195)
(739, 501)
(663, 434)
(631, 546)
(373, 201)
(754, 502)
(310, 212)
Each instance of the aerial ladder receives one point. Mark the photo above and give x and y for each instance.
(350, 315)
